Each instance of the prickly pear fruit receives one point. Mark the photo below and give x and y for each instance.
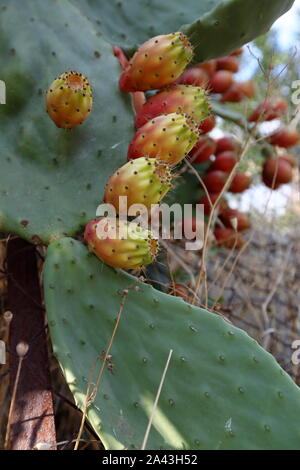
(168, 138)
(221, 81)
(215, 181)
(285, 137)
(277, 171)
(186, 99)
(179, 290)
(288, 158)
(120, 243)
(239, 183)
(157, 63)
(224, 161)
(143, 181)
(268, 110)
(203, 150)
(69, 100)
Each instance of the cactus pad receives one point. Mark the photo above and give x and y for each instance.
(222, 390)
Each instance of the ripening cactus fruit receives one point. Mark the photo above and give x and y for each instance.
(157, 63)
(69, 100)
(143, 181)
(120, 243)
(168, 138)
(186, 99)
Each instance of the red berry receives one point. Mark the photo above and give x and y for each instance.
(213, 197)
(277, 171)
(207, 124)
(224, 161)
(215, 181)
(285, 138)
(243, 222)
(288, 158)
(228, 238)
(221, 81)
(210, 67)
(227, 144)
(230, 63)
(203, 150)
(194, 76)
(268, 110)
(238, 92)
(240, 183)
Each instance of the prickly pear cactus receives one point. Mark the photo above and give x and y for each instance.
(215, 27)
(222, 390)
(52, 180)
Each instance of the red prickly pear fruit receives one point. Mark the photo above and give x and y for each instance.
(270, 184)
(221, 81)
(228, 238)
(69, 100)
(224, 161)
(238, 92)
(237, 52)
(240, 182)
(207, 124)
(288, 158)
(213, 198)
(268, 110)
(235, 219)
(168, 138)
(225, 144)
(120, 243)
(194, 76)
(209, 67)
(229, 63)
(203, 150)
(215, 181)
(277, 171)
(185, 99)
(285, 137)
(157, 63)
(143, 181)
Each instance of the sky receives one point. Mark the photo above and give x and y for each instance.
(287, 26)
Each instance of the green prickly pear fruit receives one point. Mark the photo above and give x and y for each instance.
(157, 63)
(69, 100)
(143, 181)
(168, 138)
(185, 99)
(120, 243)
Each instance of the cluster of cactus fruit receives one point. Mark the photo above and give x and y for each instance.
(167, 130)
(173, 124)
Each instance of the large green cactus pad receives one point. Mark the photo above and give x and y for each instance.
(51, 180)
(217, 26)
(222, 390)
